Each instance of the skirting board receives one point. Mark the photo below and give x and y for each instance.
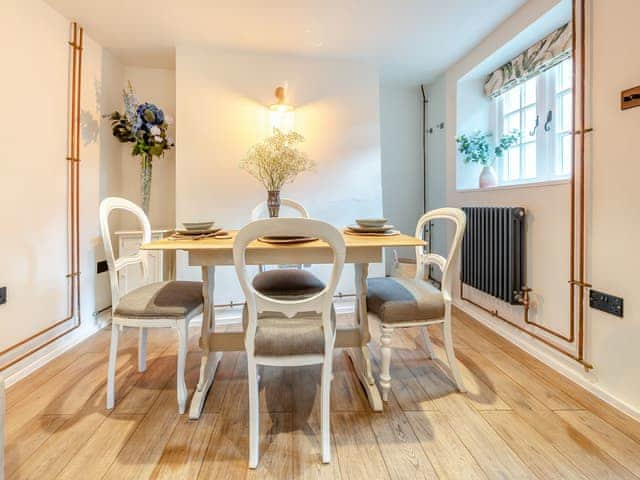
(546, 356)
(226, 316)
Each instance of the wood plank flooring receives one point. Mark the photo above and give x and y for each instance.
(519, 419)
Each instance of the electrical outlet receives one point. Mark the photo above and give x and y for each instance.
(3, 295)
(606, 303)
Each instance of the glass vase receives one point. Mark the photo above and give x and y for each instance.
(146, 165)
(273, 203)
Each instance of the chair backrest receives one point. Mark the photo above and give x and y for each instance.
(320, 303)
(423, 258)
(107, 206)
(261, 210)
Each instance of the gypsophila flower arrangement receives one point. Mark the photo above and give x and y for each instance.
(276, 161)
(145, 125)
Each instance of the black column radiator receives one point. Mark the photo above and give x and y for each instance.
(493, 251)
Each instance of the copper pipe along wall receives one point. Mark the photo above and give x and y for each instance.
(73, 179)
(548, 343)
(583, 83)
(581, 282)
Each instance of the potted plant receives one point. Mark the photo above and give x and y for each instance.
(475, 149)
(145, 125)
(274, 162)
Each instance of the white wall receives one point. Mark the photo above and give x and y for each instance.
(221, 101)
(612, 264)
(158, 86)
(402, 161)
(33, 132)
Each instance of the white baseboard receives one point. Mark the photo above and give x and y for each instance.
(30, 365)
(549, 357)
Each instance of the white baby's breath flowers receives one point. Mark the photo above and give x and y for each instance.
(276, 161)
(155, 130)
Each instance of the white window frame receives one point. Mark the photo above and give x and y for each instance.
(548, 144)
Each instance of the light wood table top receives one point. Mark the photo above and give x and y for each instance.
(351, 241)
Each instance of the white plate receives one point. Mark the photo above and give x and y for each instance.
(381, 229)
(371, 222)
(198, 232)
(388, 233)
(197, 225)
(286, 239)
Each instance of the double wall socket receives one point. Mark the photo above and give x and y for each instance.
(606, 303)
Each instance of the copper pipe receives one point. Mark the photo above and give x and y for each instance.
(73, 179)
(77, 179)
(572, 246)
(550, 344)
(583, 82)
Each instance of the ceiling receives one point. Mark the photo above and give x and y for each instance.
(410, 41)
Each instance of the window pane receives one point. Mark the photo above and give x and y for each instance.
(511, 122)
(530, 91)
(564, 166)
(512, 164)
(529, 123)
(565, 107)
(529, 165)
(512, 99)
(564, 75)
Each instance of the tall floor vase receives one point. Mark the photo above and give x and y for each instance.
(146, 165)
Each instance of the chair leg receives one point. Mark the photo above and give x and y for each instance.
(254, 413)
(385, 370)
(427, 343)
(182, 328)
(326, 409)
(142, 350)
(451, 355)
(111, 370)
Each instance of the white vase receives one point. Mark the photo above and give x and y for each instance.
(488, 177)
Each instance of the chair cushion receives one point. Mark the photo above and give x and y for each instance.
(397, 300)
(278, 335)
(174, 299)
(289, 282)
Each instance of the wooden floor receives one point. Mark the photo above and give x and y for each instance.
(519, 419)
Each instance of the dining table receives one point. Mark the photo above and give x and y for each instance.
(208, 253)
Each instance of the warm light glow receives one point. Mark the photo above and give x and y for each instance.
(281, 114)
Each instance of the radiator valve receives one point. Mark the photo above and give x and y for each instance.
(522, 297)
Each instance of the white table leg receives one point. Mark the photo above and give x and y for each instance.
(360, 355)
(210, 360)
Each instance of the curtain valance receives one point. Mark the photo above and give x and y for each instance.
(545, 54)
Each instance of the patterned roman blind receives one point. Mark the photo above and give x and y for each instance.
(546, 53)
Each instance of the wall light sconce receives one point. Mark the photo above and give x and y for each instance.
(281, 114)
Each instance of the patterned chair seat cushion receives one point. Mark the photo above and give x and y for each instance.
(289, 282)
(398, 300)
(173, 299)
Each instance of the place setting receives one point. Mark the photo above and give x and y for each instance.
(371, 227)
(199, 231)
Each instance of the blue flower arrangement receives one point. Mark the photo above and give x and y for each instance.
(145, 125)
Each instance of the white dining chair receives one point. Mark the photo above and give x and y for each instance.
(403, 303)
(161, 304)
(284, 280)
(289, 331)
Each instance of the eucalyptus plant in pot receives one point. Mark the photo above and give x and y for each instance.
(475, 149)
(276, 161)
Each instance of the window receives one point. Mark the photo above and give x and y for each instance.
(541, 109)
